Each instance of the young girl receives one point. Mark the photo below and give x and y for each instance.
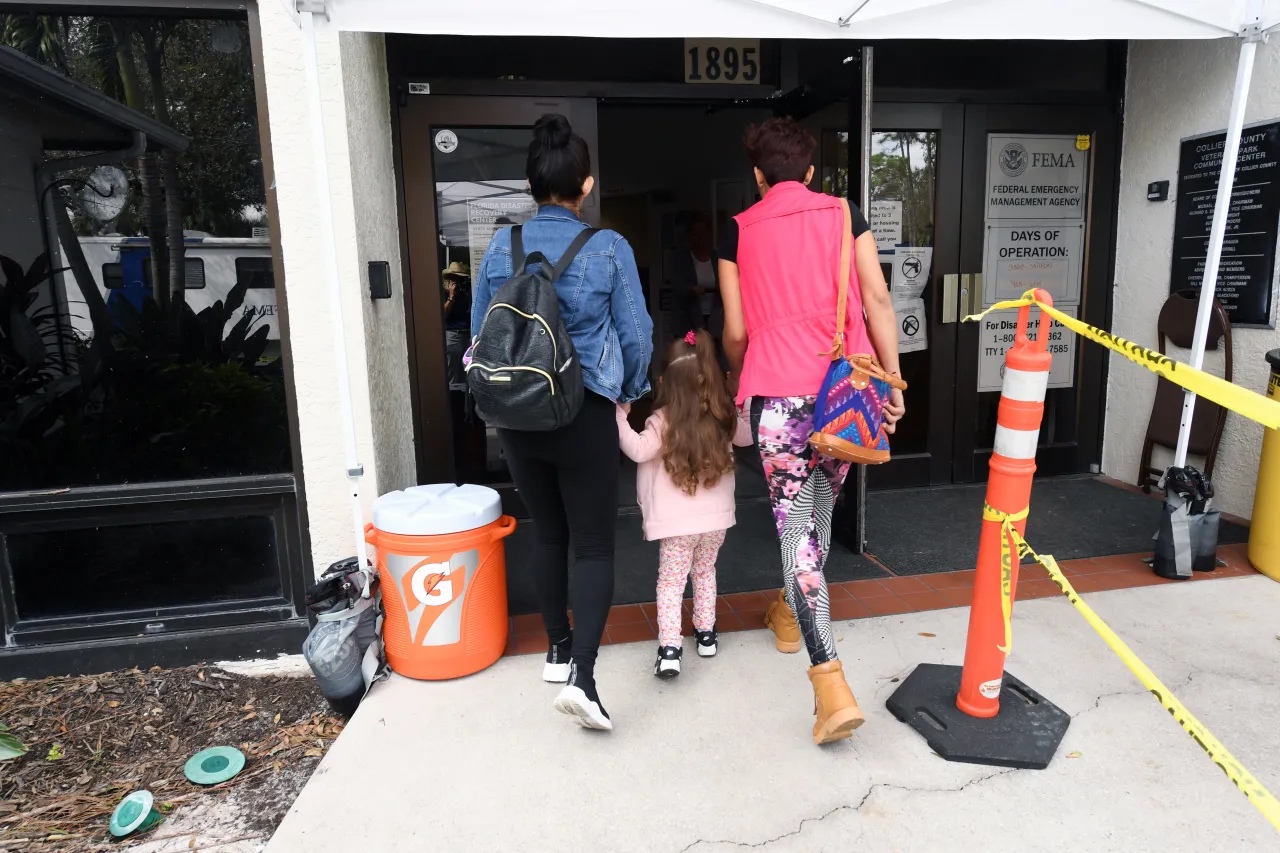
(684, 485)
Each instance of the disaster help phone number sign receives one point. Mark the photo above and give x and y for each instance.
(996, 339)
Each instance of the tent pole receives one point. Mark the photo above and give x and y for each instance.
(864, 201)
(329, 264)
(1218, 230)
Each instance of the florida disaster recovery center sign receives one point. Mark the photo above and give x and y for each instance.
(1035, 221)
(1247, 274)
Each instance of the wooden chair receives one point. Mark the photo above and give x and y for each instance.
(1177, 324)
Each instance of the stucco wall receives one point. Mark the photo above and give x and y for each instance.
(1175, 90)
(364, 75)
(364, 226)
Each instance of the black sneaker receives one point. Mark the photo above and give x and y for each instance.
(579, 699)
(706, 642)
(668, 663)
(556, 669)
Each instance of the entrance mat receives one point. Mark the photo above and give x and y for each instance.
(923, 531)
(748, 561)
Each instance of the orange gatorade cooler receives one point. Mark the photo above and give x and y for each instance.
(443, 570)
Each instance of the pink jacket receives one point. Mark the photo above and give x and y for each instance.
(667, 510)
(788, 269)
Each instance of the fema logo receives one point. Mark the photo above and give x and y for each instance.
(1013, 160)
(1002, 367)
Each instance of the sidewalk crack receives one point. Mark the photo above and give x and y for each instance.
(848, 808)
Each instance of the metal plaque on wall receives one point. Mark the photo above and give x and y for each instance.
(1247, 274)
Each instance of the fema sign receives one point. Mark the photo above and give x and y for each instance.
(1036, 176)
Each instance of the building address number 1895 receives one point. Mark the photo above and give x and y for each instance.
(722, 61)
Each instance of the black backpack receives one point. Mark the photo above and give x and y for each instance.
(524, 372)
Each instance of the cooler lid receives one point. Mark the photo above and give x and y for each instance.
(437, 509)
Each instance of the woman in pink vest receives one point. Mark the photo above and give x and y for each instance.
(779, 274)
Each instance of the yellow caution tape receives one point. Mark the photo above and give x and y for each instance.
(989, 513)
(1242, 401)
(1257, 794)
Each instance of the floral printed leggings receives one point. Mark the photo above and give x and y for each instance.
(803, 486)
(679, 557)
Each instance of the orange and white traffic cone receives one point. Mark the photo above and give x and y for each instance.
(958, 711)
(1013, 465)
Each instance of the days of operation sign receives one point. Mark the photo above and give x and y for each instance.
(1036, 200)
(1036, 191)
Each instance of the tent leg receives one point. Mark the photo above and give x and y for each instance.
(1218, 230)
(329, 258)
(864, 201)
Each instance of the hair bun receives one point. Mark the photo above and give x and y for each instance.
(553, 131)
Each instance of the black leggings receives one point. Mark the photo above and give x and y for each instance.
(568, 479)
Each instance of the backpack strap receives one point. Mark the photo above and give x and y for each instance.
(517, 250)
(538, 258)
(572, 252)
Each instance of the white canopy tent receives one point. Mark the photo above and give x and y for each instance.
(860, 20)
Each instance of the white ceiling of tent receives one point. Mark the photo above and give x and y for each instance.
(865, 19)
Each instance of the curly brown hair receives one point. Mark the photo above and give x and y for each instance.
(781, 148)
(699, 414)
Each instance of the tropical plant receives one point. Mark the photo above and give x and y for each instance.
(40, 353)
(41, 37)
(10, 746)
(149, 396)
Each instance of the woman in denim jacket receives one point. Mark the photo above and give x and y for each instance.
(568, 477)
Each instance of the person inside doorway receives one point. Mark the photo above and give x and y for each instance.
(695, 280)
(568, 477)
(457, 321)
(779, 268)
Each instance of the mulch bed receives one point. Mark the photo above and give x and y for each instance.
(93, 739)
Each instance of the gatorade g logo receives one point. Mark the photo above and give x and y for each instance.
(434, 593)
(428, 584)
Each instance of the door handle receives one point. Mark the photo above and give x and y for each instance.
(950, 292)
(974, 303)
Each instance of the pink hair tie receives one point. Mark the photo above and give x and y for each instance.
(691, 338)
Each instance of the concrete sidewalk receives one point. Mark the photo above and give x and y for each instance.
(721, 759)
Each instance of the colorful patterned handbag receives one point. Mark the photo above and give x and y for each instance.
(848, 420)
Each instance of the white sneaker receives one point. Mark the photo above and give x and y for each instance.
(579, 699)
(706, 642)
(556, 669)
(668, 663)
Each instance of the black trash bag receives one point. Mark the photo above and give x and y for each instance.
(1187, 540)
(344, 649)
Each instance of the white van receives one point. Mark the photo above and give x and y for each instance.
(214, 265)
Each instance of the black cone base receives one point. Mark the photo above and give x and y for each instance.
(1025, 733)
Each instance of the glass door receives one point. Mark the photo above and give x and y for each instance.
(916, 168)
(1038, 211)
(971, 204)
(463, 161)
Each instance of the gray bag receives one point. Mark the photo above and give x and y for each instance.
(1187, 540)
(344, 650)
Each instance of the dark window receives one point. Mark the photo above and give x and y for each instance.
(194, 273)
(186, 396)
(143, 566)
(112, 277)
(255, 273)
(193, 269)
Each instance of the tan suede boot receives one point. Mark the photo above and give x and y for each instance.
(786, 631)
(833, 703)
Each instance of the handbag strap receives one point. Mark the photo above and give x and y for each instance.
(842, 300)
